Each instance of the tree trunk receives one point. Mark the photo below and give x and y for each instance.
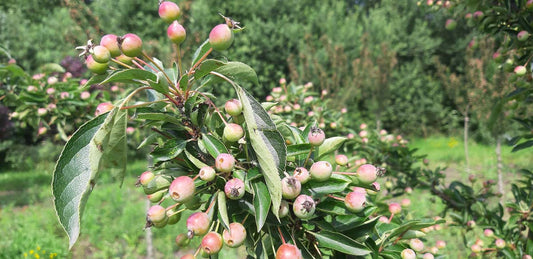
(499, 166)
(148, 237)
(465, 135)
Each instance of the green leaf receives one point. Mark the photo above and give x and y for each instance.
(78, 165)
(214, 146)
(340, 242)
(267, 142)
(161, 84)
(299, 149)
(171, 149)
(207, 66)
(330, 145)
(200, 51)
(234, 71)
(323, 188)
(96, 79)
(223, 210)
(124, 76)
(261, 203)
(159, 117)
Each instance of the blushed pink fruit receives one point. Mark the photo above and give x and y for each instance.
(169, 11)
(224, 163)
(290, 187)
(101, 54)
(355, 201)
(95, 67)
(156, 214)
(406, 203)
(288, 251)
(367, 174)
(131, 45)
(520, 70)
(233, 107)
(103, 108)
(500, 243)
(450, 24)
(207, 173)
(428, 256)
(198, 224)
(212, 243)
(110, 42)
(182, 189)
(301, 174)
(416, 244)
(395, 208)
(408, 254)
(522, 35)
(221, 37)
(235, 236)
(526, 257)
(176, 33)
(316, 136)
(234, 189)
(440, 244)
(341, 160)
(283, 209)
(145, 178)
(321, 170)
(233, 132)
(488, 232)
(475, 248)
(304, 207)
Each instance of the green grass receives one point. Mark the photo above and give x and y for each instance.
(112, 225)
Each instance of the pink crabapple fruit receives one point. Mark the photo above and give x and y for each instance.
(234, 189)
(395, 208)
(233, 107)
(198, 224)
(101, 54)
(304, 206)
(221, 37)
(301, 174)
(235, 236)
(416, 244)
(367, 174)
(212, 243)
(321, 171)
(316, 136)
(207, 173)
(176, 33)
(182, 189)
(95, 67)
(283, 209)
(522, 35)
(341, 160)
(145, 178)
(355, 201)
(156, 214)
(131, 45)
(224, 163)
(233, 132)
(288, 251)
(290, 187)
(169, 11)
(408, 254)
(182, 240)
(103, 108)
(110, 42)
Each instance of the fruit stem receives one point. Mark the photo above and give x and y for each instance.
(391, 216)
(137, 64)
(309, 155)
(172, 100)
(245, 218)
(335, 197)
(180, 72)
(345, 173)
(281, 235)
(199, 61)
(173, 206)
(212, 203)
(121, 63)
(177, 212)
(146, 64)
(212, 105)
(197, 251)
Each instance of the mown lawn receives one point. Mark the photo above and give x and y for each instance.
(112, 226)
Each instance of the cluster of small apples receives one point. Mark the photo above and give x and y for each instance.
(183, 190)
(494, 242)
(299, 104)
(365, 135)
(125, 50)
